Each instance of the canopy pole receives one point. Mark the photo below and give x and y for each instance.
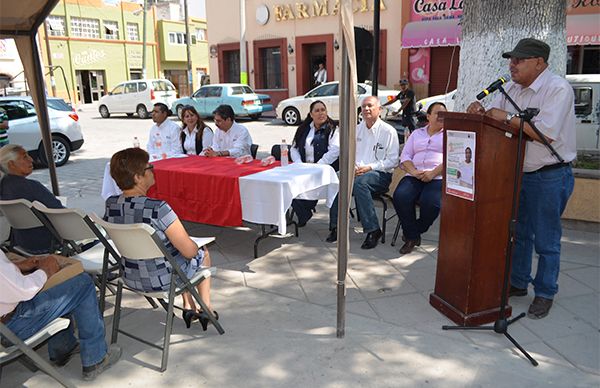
(41, 106)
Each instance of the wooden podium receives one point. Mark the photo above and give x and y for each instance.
(474, 233)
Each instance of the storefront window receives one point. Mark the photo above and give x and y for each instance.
(270, 68)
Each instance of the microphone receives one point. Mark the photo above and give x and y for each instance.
(493, 86)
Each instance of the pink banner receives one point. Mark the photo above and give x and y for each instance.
(418, 65)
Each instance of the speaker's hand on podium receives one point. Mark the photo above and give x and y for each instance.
(475, 108)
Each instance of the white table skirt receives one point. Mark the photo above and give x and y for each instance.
(267, 195)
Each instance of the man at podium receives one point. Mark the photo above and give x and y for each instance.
(546, 183)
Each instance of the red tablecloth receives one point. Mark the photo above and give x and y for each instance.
(202, 189)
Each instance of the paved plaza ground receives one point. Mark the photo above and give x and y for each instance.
(279, 311)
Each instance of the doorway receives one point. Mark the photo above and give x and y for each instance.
(90, 85)
(314, 54)
(363, 43)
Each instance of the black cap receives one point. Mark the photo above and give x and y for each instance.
(529, 48)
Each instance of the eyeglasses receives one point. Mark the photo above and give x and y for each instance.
(149, 167)
(516, 61)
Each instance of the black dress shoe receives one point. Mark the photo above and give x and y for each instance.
(539, 308)
(514, 291)
(332, 235)
(408, 246)
(372, 239)
(418, 240)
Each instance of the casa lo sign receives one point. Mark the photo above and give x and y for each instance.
(318, 8)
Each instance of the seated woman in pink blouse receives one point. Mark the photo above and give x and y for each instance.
(422, 159)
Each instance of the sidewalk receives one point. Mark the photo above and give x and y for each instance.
(279, 316)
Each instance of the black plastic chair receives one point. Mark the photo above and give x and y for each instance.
(276, 152)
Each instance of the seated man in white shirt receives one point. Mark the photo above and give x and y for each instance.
(377, 153)
(231, 139)
(25, 310)
(163, 141)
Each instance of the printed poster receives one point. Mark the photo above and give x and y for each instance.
(460, 164)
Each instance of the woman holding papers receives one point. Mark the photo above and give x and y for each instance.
(316, 141)
(422, 159)
(195, 135)
(134, 176)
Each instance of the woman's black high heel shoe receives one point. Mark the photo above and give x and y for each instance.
(188, 316)
(204, 320)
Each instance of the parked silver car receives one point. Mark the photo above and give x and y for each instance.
(24, 128)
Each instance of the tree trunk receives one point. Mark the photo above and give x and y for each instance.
(492, 27)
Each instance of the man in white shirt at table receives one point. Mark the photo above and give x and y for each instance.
(231, 139)
(377, 153)
(163, 141)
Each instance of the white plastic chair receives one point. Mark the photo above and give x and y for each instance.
(27, 347)
(141, 242)
(74, 227)
(19, 214)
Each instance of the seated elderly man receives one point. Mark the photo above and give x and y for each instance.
(231, 139)
(16, 165)
(25, 310)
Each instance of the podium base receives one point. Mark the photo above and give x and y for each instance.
(463, 319)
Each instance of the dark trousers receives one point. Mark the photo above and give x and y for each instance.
(410, 192)
(303, 209)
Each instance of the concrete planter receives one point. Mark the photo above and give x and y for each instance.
(584, 204)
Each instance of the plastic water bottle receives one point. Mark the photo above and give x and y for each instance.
(159, 146)
(284, 153)
(136, 142)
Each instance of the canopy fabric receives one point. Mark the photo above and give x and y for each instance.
(20, 20)
(434, 33)
(581, 30)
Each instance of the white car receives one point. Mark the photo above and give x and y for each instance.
(24, 129)
(447, 99)
(137, 96)
(293, 110)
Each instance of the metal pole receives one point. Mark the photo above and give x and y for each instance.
(43, 116)
(144, 41)
(343, 204)
(52, 80)
(243, 54)
(188, 50)
(376, 28)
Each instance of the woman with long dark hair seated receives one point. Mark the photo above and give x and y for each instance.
(422, 159)
(134, 176)
(316, 141)
(195, 134)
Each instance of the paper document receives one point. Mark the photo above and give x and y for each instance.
(202, 241)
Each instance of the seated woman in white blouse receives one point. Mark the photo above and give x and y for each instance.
(316, 141)
(195, 135)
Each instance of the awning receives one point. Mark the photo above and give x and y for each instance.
(581, 30)
(432, 33)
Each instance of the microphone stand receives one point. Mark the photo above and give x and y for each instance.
(501, 324)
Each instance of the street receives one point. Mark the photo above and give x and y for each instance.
(80, 180)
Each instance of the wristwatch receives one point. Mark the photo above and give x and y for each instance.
(509, 117)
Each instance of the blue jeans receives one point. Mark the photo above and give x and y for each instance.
(76, 298)
(543, 199)
(410, 192)
(373, 182)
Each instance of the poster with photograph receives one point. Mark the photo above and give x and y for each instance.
(460, 164)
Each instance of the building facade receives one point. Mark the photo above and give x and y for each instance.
(419, 41)
(286, 40)
(92, 46)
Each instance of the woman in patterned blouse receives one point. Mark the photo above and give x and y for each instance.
(133, 174)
